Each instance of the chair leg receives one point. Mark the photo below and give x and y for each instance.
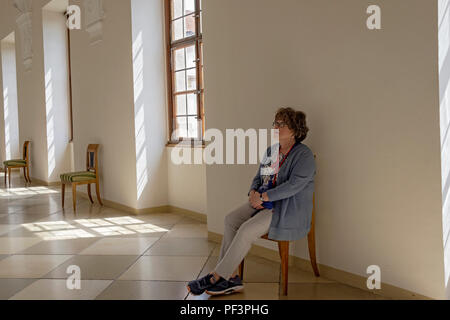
(312, 240)
(283, 247)
(28, 174)
(74, 196)
(89, 193)
(241, 270)
(312, 251)
(63, 192)
(9, 176)
(25, 174)
(97, 191)
(6, 174)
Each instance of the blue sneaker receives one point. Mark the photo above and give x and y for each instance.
(226, 286)
(198, 286)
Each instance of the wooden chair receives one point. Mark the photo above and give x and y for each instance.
(19, 163)
(283, 248)
(88, 177)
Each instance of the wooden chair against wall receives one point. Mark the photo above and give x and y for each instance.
(19, 163)
(88, 177)
(283, 248)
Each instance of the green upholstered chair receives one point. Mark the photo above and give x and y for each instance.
(19, 163)
(88, 177)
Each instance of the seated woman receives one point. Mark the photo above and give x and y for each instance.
(280, 204)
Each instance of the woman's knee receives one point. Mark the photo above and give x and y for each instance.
(228, 219)
(248, 231)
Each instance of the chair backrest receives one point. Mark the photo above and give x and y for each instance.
(92, 158)
(26, 151)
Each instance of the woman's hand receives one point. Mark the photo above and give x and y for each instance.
(254, 200)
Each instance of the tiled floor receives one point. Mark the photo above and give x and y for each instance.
(122, 256)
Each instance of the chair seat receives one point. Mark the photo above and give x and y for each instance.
(15, 163)
(78, 176)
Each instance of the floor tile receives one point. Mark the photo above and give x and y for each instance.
(72, 246)
(189, 220)
(261, 270)
(19, 232)
(198, 230)
(145, 290)
(252, 291)
(119, 246)
(165, 268)
(209, 266)
(47, 289)
(299, 276)
(9, 287)
(19, 218)
(14, 245)
(160, 218)
(95, 267)
(5, 228)
(216, 251)
(181, 247)
(326, 291)
(29, 266)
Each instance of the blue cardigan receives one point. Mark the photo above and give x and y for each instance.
(293, 196)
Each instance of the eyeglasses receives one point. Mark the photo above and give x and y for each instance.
(279, 124)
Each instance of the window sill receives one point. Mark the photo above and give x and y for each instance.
(188, 144)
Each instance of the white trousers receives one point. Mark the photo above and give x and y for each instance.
(241, 230)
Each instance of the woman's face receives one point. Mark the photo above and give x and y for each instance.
(284, 132)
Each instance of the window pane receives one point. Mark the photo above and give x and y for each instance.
(190, 57)
(177, 29)
(179, 60)
(180, 81)
(192, 104)
(189, 26)
(182, 127)
(189, 6)
(177, 8)
(192, 79)
(193, 127)
(181, 105)
(201, 22)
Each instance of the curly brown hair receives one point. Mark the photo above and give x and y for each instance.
(295, 120)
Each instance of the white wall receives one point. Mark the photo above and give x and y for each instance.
(150, 105)
(187, 185)
(9, 145)
(102, 86)
(30, 88)
(371, 98)
(57, 94)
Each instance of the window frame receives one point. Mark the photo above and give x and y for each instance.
(196, 41)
